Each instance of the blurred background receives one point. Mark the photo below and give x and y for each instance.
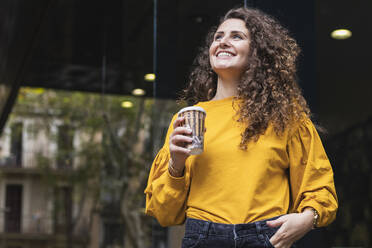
(87, 90)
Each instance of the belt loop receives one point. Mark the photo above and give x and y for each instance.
(205, 229)
(259, 230)
(258, 227)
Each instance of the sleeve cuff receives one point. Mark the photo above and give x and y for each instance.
(317, 207)
(177, 183)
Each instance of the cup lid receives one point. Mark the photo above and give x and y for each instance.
(192, 108)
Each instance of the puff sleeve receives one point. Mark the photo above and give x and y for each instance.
(311, 175)
(166, 195)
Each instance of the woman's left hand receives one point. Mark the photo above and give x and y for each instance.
(292, 228)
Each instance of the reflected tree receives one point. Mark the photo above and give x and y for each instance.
(130, 149)
(102, 159)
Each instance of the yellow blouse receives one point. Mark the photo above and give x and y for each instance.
(274, 176)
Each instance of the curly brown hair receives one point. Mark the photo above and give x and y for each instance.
(268, 91)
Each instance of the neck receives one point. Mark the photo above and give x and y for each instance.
(226, 87)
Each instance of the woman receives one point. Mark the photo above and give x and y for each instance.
(263, 179)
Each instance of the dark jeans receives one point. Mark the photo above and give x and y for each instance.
(206, 234)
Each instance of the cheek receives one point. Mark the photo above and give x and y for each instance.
(213, 47)
(211, 50)
(211, 62)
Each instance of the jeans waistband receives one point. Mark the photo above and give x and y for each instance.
(194, 226)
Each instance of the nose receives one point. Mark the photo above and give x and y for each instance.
(224, 42)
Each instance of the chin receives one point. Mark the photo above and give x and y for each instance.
(224, 68)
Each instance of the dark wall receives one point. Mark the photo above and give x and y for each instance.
(180, 34)
(19, 24)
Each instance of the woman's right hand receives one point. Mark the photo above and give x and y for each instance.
(177, 140)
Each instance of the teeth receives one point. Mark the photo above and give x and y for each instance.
(224, 54)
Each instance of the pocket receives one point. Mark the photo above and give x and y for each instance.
(191, 241)
(268, 243)
(269, 232)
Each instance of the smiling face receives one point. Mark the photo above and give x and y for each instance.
(229, 50)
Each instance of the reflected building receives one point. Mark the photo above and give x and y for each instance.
(35, 212)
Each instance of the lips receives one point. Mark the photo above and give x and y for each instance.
(224, 53)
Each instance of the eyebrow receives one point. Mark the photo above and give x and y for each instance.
(233, 32)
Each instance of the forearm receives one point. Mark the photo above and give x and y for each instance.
(176, 170)
(311, 216)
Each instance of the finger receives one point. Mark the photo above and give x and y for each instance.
(181, 130)
(273, 240)
(177, 139)
(277, 222)
(178, 122)
(278, 245)
(282, 244)
(278, 236)
(179, 150)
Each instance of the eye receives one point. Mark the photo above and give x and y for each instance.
(237, 36)
(217, 37)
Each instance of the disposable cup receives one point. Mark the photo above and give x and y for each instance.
(195, 120)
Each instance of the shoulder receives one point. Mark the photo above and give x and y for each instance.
(302, 124)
